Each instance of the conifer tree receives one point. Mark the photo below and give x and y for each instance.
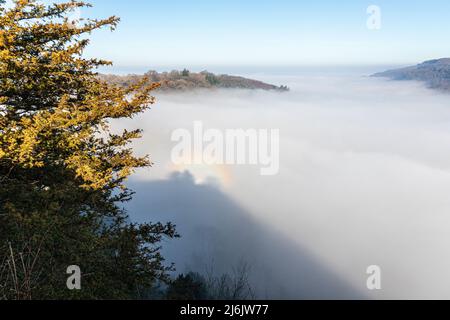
(62, 170)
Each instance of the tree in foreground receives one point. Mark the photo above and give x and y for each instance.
(62, 170)
(227, 286)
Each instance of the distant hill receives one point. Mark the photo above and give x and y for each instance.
(435, 73)
(186, 80)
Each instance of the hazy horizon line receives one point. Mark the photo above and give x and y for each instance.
(140, 69)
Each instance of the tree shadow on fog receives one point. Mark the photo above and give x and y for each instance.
(217, 233)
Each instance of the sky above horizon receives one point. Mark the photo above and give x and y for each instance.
(270, 33)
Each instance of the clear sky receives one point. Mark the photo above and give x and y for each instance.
(270, 32)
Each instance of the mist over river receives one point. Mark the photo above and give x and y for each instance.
(364, 179)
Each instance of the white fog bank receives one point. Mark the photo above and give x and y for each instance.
(364, 180)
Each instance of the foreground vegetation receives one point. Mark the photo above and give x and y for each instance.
(62, 171)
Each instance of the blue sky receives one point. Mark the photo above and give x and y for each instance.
(270, 33)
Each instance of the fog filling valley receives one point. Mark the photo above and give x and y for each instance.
(364, 180)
